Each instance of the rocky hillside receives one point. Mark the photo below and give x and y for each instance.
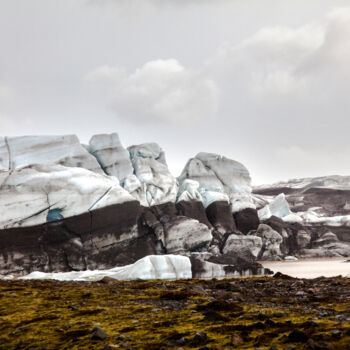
(70, 207)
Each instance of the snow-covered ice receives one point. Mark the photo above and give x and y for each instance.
(334, 182)
(19, 151)
(111, 155)
(28, 194)
(157, 184)
(220, 179)
(188, 191)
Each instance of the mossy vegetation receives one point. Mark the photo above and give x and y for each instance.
(242, 313)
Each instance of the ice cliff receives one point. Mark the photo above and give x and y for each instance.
(71, 207)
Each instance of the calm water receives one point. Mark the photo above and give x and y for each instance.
(311, 268)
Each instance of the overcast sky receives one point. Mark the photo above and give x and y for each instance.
(264, 82)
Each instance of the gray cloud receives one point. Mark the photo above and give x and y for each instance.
(6, 95)
(285, 88)
(135, 4)
(262, 82)
(6, 100)
(292, 84)
(159, 91)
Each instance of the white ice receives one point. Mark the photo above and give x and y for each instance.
(19, 151)
(219, 179)
(158, 184)
(147, 268)
(28, 193)
(188, 191)
(334, 182)
(111, 155)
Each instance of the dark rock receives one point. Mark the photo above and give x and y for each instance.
(323, 345)
(220, 216)
(242, 261)
(271, 240)
(108, 280)
(98, 334)
(165, 209)
(310, 324)
(282, 276)
(336, 333)
(310, 344)
(199, 339)
(236, 244)
(197, 267)
(219, 305)
(247, 220)
(185, 234)
(212, 316)
(297, 336)
(181, 341)
(193, 210)
(276, 223)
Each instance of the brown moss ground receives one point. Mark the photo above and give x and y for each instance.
(244, 313)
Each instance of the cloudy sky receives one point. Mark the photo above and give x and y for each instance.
(265, 82)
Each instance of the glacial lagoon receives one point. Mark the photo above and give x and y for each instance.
(311, 268)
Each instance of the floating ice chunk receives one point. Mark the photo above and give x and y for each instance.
(293, 218)
(290, 258)
(311, 217)
(149, 267)
(264, 213)
(278, 207)
(343, 220)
